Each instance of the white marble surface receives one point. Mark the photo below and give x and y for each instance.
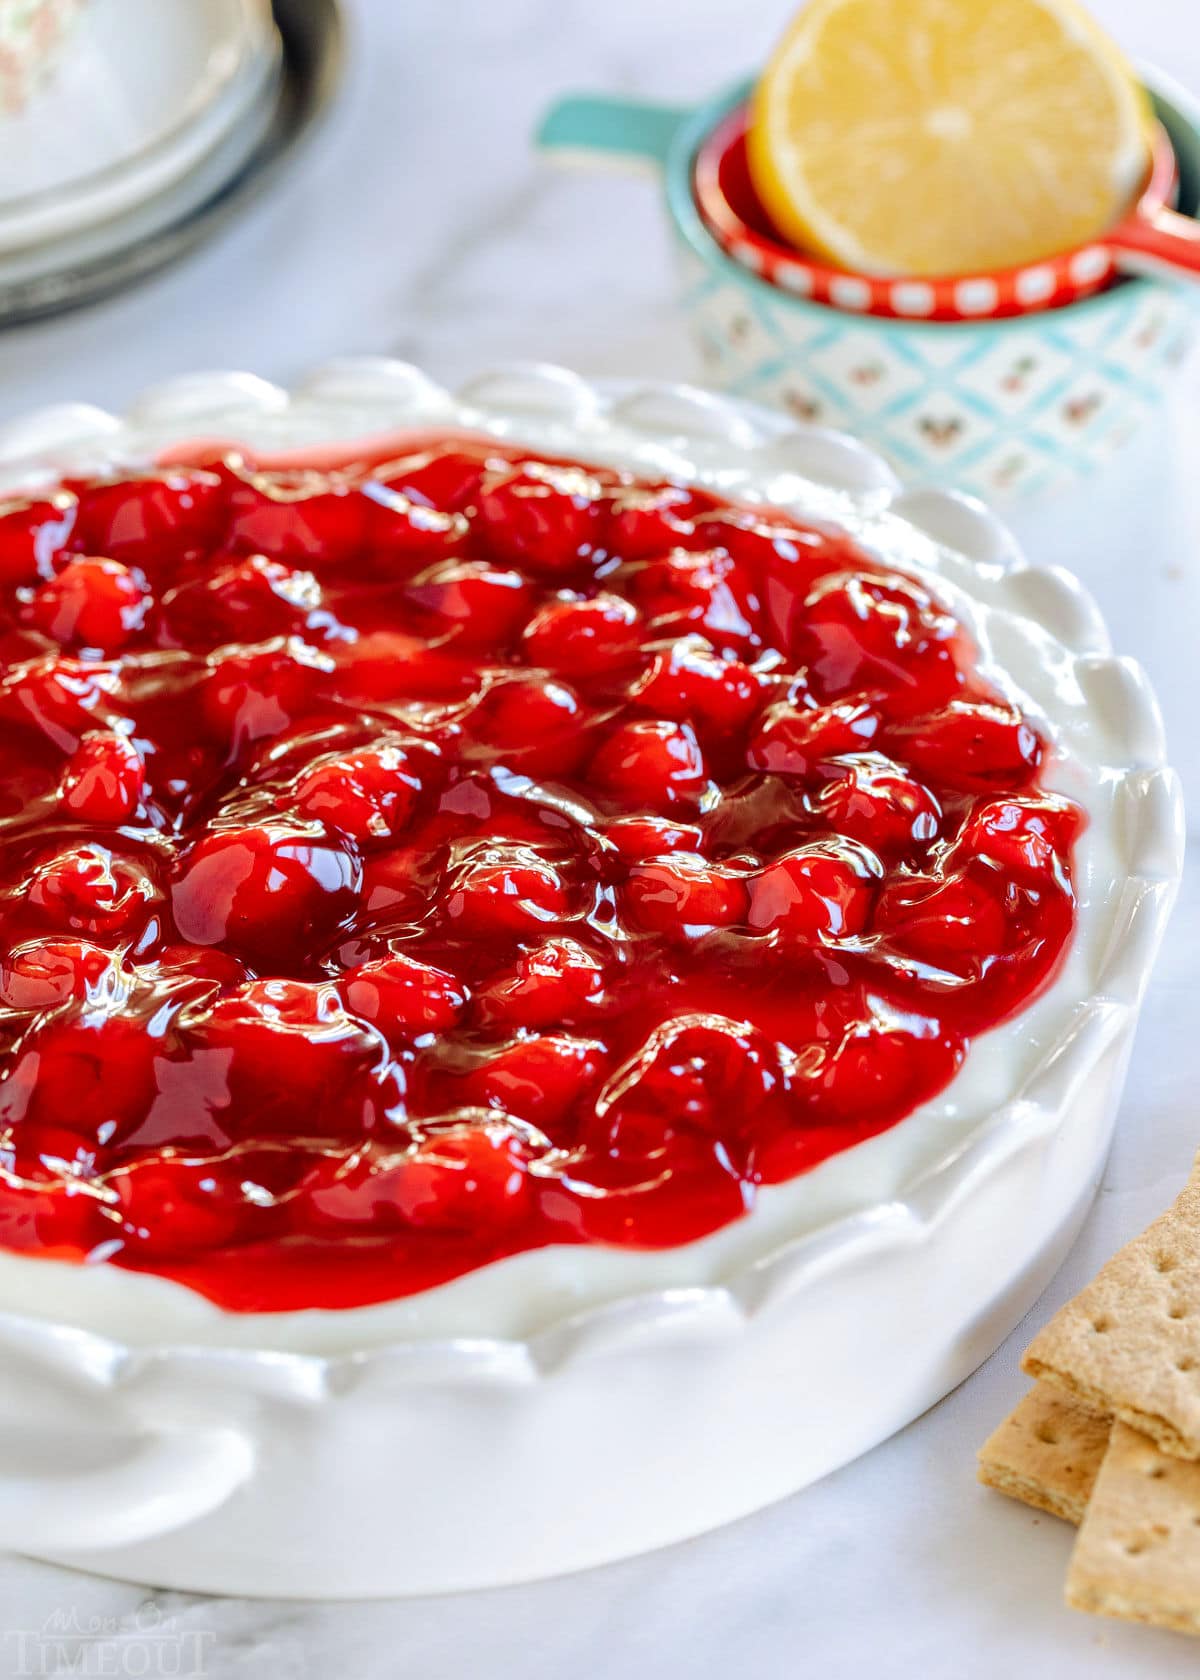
(421, 225)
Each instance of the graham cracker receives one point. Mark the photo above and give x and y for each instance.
(1129, 1343)
(1047, 1453)
(1137, 1555)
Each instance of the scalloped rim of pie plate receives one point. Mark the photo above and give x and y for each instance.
(1041, 639)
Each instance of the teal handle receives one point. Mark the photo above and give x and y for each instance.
(598, 126)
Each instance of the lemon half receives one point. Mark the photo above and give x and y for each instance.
(946, 136)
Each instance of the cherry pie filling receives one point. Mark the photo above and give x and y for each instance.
(409, 861)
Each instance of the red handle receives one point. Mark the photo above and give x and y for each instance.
(1165, 243)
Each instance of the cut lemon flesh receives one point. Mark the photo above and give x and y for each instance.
(946, 136)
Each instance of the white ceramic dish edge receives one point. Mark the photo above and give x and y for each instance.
(235, 73)
(192, 1420)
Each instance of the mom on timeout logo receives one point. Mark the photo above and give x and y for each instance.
(147, 1644)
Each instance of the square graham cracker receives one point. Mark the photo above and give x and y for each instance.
(1047, 1453)
(1129, 1343)
(1137, 1554)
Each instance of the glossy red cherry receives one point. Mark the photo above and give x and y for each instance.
(49, 1198)
(683, 591)
(394, 665)
(956, 923)
(503, 888)
(819, 891)
(546, 519)
(681, 893)
(472, 601)
(645, 520)
(792, 740)
(86, 889)
(404, 997)
(249, 599)
(60, 698)
(543, 986)
(369, 793)
(534, 725)
(649, 837)
(468, 1177)
(396, 521)
(873, 800)
(31, 533)
(398, 885)
(103, 780)
(584, 638)
(298, 514)
(1024, 837)
(173, 1206)
(349, 1190)
(692, 682)
(537, 1077)
(287, 1041)
(703, 1073)
(440, 479)
(45, 973)
(93, 602)
(251, 696)
(199, 962)
(879, 635)
(781, 555)
(975, 746)
(652, 762)
(152, 520)
(271, 893)
(92, 1072)
(685, 1188)
(867, 1053)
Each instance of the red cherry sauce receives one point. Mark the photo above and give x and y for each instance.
(409, 861)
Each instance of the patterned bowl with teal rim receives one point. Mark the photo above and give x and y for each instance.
(1003, 408)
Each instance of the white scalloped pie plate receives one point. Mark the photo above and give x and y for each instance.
(571, 1406)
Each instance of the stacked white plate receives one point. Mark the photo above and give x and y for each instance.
(153, 107)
